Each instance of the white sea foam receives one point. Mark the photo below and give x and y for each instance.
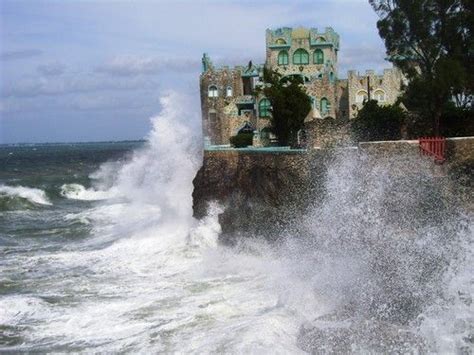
(79, 192)
(28, 193)
(153, 279)
(164, 284)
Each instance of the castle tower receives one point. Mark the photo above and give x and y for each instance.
(311, 55)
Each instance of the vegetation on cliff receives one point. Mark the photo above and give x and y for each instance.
(378, 123)
(241, 140)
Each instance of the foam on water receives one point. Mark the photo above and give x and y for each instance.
(79, 192)
(161, 282)
(30, 194)
(152, 278)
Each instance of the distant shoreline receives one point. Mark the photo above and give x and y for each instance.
(3, 145)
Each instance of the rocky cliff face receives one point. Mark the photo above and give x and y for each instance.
(263, 192)
(256, 189)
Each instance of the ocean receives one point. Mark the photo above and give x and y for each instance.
(99, 252)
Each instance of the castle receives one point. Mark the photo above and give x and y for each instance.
(228, 102)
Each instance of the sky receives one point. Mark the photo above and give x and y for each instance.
(94, 70)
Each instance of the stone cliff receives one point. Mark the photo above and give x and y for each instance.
(255, 188)
(262, 191)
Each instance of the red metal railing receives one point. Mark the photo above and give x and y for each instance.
(433, 146)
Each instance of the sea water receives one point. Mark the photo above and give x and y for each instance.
(99, 252)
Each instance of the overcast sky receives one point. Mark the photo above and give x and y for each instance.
(94, 70)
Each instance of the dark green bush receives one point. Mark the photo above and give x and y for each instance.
(457, 122)
(241, 140)
(378, 123)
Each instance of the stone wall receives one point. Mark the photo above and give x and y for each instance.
(261, 188)
(389, 82)
(217, 110)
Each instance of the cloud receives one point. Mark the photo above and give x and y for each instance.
(134, 66)
(51, 69)
(20, 54)
(80, 83)
(364, 56)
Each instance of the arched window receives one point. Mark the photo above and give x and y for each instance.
(324, 106)
(331, 77)
(361, 96)
(280, 41)
(264, 108)
(283, 58)
(379, 95)
(213, 91)
(318, 56)
(228, 91)
(300, 57)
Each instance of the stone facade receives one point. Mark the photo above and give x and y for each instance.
(227, 98)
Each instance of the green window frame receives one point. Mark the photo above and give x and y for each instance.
(318, 56)
(300, 56)
(264, 107)
(283, 58)
(324, 106)
(331, 77)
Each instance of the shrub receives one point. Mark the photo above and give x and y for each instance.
(374, 122)
(241, 140)
(457, 122)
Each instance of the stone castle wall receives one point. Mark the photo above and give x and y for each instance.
(389, 82)
(223, 115)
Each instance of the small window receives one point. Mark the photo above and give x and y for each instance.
(300, 56)
(213, 117)
(264, 108)
(280, 41)
(361, 96)
(213, 92)
(379, 95)
(318, 56)
(331, 77)
(324, 106)
(228, 91)
(283, 58)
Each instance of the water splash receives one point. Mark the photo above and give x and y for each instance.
(367, 257)
(30, 194)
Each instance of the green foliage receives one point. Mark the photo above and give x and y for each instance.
(457, 122)
(376, 123)
(290, 105)
(431, 41)
(241, 140)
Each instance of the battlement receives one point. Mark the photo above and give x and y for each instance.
(284, 37)
(229, 100)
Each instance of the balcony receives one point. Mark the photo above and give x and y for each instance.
(245, 100)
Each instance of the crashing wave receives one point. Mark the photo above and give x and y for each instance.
(32, 195)
(79, 192)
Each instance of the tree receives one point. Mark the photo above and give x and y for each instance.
(289, 105)
(377, 123)
(431, 42)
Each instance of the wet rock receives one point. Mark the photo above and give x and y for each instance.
(334, 335)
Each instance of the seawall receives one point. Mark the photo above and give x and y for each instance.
(259, 188)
